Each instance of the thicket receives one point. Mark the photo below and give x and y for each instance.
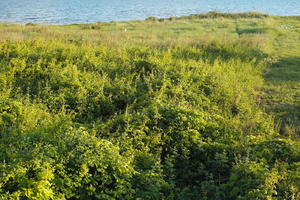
(213, 15)
(139, 122)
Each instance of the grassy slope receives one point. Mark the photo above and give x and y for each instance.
(171, 109)
(277, 36)
(283, 78)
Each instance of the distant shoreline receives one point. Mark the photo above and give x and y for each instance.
(212, 14)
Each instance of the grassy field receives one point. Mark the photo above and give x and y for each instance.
(283, 79)
(196, 107)
(275, 36)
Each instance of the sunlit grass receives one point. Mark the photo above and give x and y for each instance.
(179, 108)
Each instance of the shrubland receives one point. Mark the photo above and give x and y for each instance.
(175, 108)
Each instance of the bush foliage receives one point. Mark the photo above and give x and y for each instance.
(139, 122)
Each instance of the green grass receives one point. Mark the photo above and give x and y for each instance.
(195, 107)
(283, 78)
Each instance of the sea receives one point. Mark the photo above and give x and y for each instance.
(89, 11)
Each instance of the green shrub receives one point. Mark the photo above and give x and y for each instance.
(140, 120)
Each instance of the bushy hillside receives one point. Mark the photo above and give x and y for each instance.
(147, 110)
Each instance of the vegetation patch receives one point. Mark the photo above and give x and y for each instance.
(155, 109)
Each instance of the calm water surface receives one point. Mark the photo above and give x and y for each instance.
(86, 11)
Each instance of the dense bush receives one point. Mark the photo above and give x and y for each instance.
(138, 122)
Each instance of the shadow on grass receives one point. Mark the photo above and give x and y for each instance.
(284, 79)
(288, 116)
(286, 70)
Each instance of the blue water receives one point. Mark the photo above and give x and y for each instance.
(86, 11)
